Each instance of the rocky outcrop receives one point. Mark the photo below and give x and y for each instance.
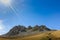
(23, 30)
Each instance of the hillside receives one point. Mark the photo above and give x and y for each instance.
(31, 33)
(53, 35)
(22, 30)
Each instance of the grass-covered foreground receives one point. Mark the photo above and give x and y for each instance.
(52, 35)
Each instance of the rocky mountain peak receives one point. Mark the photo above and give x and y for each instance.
(21, 29)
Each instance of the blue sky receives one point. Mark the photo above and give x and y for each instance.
(30, 12)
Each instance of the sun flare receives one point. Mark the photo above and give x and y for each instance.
(8, 3)
(5, 2)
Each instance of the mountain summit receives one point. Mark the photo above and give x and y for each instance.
(22, 30)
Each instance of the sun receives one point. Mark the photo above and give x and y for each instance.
(5, 2)
(8, 3)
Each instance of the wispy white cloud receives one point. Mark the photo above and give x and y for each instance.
(1, 25)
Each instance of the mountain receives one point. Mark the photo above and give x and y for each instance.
(22, 30)
(41, 28)
(16, 30)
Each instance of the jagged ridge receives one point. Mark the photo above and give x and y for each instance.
(22, 30)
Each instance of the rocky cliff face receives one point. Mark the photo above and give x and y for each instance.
(23, 30)
(16, 30)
